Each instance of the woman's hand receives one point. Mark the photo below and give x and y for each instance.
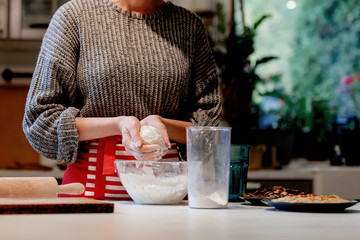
(130, 130)
(155, 121)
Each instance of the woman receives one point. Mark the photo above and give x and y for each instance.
(106, 68)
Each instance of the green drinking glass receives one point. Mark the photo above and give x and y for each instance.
(239, 163)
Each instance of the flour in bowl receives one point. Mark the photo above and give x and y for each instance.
(149, 189)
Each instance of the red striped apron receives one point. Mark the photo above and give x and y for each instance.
(95, 168)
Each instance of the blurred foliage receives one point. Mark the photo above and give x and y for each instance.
(318, 44)
(326, 49)
(232, 53)
(320, 41)
(312, 116)
(269, 86)
(327, 43)
(296, 112)
(274, 37)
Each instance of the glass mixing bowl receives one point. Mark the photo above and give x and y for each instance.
(154, 182)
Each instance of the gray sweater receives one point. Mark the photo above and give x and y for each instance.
(97, 60)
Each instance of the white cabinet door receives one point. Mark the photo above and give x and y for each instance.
(196, 5)
(29, 19)
(4, 4)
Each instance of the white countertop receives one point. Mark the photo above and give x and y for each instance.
(132, 221)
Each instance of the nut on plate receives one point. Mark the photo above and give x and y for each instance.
(273, 192)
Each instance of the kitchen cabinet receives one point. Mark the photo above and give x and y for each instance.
(15, 151)
(26, 19)
(3, 19)
(198, 5)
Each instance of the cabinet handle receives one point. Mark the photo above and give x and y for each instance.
(7, 75)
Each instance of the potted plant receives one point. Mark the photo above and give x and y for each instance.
(269, 101)
(237, 71)
(309, 116)
(239, 80)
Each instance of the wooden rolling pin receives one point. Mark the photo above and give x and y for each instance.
(36, 187)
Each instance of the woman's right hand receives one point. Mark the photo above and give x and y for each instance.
(130, 130)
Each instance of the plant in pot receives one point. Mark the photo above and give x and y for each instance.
(300, 121)
(237, 71)
(309, 115)
(233, 52)
(269, 100)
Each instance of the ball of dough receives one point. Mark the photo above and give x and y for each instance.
(152, 135)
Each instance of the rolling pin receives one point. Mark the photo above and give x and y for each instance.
(36, 187)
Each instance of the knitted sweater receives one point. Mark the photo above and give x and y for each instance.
(98, 60)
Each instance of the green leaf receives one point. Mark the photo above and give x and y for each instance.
(259, 21)
(265, 60)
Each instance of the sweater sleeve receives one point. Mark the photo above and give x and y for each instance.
(204, 89)
(50, 110)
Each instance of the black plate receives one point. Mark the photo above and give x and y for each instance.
(257, 201)
(311, 207)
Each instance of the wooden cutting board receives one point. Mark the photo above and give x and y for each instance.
(54, 205)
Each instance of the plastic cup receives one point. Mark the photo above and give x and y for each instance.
(239, 164)
(208, 156)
